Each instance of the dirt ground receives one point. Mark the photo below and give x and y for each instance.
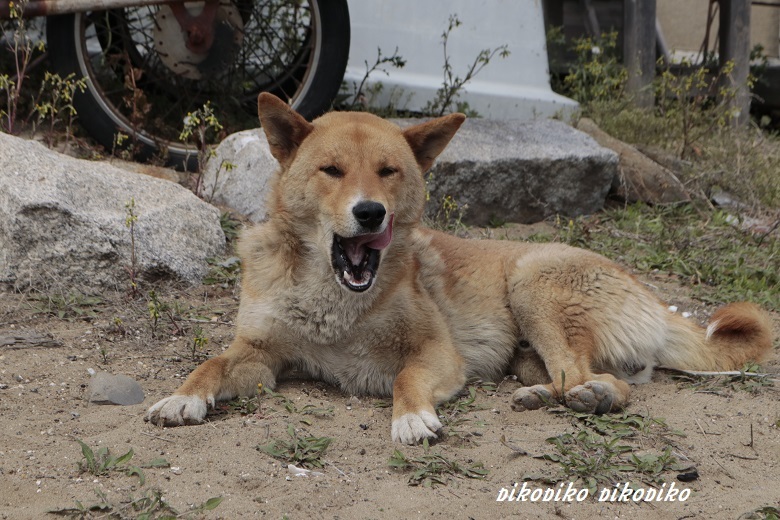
(732, 435)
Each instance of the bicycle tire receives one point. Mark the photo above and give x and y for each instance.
(102, 47)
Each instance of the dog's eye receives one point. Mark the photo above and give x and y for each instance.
(387, 171)
(332, 171)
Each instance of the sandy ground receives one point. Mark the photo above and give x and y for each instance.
(732, 436)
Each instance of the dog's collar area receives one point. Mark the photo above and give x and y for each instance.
(356, 259)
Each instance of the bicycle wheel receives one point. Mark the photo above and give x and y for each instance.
(143, 80)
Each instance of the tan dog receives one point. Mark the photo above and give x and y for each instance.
(343, 283)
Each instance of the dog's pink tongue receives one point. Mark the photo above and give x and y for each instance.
(354, 247)
(382, 240)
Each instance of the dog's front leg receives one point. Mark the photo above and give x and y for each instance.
(434, 376)
(237, 371)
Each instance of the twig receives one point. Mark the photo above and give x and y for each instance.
(705, 373)
(723, 468)
(741, 457)
(157, 437)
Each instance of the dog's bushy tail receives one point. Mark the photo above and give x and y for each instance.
(738, 333)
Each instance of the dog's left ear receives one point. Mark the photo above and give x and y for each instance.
(283, 126)
(429, 139)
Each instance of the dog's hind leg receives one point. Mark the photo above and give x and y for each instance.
(237, 371)
(554, 306)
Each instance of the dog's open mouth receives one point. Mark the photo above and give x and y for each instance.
(356, 259)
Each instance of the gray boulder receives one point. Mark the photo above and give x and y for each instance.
(515, 171)
(62, 223)
(238, 175)
(521, 171)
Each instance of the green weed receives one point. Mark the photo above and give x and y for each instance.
(452, 84)
(762, 513)
(101, 462)
(202, 127)
(73, 305)
(159, 309)
(304, 451)
(611, 448)
(432, 469)
(198, 346)
(453, 412)
(748, 380)
(231, 226)
(597, 74)
(223, 272)
(151, 505)
(54, 103)
(131, 217)
(362, 93)
(254, 405)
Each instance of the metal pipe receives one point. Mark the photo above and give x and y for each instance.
(52, 7)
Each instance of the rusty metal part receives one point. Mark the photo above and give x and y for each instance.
(174, 43)
(52, 7)
(199, 28)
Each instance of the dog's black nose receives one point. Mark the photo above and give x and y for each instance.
(369, 214)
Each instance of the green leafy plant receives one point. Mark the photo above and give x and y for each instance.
(611, 448)
(448, 212)
(224, 272)
(202, 127)
(762, 513)
(101, 462)
(73, 305)
(22, 48)
(131, 217)
(749, 379)
(151, 505)
(199, 342)
(597, 74)
(360, 92)
(432, 469)
(55, 103)
(304, 451)
(696, 100)
(453, 85)
(158, 308)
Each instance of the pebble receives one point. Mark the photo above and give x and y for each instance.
(105, 388)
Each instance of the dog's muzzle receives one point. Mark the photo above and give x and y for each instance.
(356, 259)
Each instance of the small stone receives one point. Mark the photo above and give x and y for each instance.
(105, 388)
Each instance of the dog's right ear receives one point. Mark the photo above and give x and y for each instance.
(283, 126)
(427, 140)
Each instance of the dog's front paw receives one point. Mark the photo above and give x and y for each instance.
(412, 428)
(592, 397)
(531, 398)
(178, 410)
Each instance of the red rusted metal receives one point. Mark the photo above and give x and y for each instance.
(199, 28)
(51, 7)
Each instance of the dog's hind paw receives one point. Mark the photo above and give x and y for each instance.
(412, 428)
(178, 410)
(592, 397)
(531, 398)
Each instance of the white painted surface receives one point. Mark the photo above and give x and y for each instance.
(515, 87)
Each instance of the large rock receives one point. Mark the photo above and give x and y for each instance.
(514, 171)
(238, 175)
(62, 223)
(522, 171)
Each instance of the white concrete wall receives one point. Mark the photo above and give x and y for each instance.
(516, 87)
